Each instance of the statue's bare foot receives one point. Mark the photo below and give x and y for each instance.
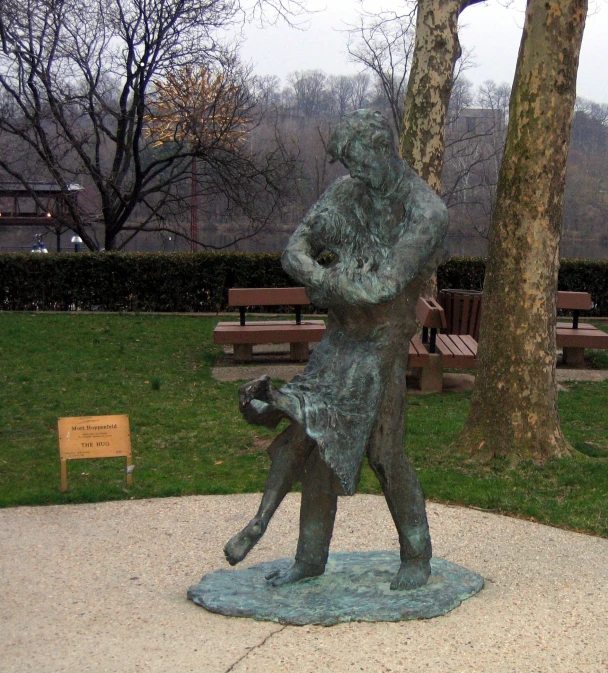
(263, 391)
(258, 389)
(298, 571)
(242, 543)
(412, 574)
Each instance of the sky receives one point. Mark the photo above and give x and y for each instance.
(491, 31)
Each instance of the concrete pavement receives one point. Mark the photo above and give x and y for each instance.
(102, 587)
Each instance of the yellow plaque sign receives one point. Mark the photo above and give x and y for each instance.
(94, 437)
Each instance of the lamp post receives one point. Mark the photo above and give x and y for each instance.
(77, 241)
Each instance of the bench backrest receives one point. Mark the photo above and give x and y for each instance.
(268, 296)
(574, 301)
(462, 311)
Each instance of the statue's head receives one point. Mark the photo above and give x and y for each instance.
(363, 141)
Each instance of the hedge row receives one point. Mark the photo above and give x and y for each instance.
(199, 282)
(180, 282)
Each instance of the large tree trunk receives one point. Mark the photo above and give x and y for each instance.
(514, 406)
(436, 51)
(109, 240)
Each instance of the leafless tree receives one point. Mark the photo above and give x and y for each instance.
(341, 90)
(77, 83)
(514, 411)
(493, 96)
(474, 145)
(382, 43)
(310, 92)
(267, 92)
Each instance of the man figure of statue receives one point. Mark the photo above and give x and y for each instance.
(384, 229)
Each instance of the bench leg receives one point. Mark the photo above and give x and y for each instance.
(298, 352)
(243, 352)
(574, 356)
(431, 379)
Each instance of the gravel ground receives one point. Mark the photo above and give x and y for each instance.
(102, 587)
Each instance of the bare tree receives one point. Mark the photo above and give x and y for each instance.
(360, 93)
(474, 145)
(77, 80)
(267, 93)
(492, 96)
(341, 94)
(310, 91)
(383, 43)
(436, 52)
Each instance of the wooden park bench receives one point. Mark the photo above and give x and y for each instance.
(431, 351)
(457, 342)
(574, 338)
(450, 329)
(438, 349)
(244, 334)
(431, 318)
(423, 353)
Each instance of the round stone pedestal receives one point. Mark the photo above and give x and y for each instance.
(355, 587)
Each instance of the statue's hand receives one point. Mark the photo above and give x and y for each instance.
(324, 294)
(318, 296)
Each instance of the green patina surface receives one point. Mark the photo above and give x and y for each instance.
(354, 588)
(384, 228)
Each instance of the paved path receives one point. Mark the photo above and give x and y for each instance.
(284, 370)
(102, 588)
(451, 382)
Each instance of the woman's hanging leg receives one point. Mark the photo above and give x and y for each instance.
(289, 452)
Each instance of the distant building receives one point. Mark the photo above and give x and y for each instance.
(476, 121)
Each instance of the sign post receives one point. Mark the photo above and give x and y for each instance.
(94, 437)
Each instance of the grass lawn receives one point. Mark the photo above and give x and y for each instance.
(188, 436)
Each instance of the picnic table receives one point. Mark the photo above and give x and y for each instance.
(244, 334)
(449, 338)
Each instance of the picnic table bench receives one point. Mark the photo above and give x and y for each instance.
(450, 329)
(574, 338)
(244, 334)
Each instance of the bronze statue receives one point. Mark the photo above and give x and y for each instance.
(385, 229)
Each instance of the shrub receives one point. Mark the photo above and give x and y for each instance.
(199, 282)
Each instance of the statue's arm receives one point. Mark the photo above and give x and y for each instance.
(299, 258)
(418, 251)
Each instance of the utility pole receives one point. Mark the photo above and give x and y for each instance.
(193, 209)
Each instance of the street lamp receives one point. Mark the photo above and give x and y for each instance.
(39, 246)
(76, 240)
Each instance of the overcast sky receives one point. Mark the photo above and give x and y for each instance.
(491, 31)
